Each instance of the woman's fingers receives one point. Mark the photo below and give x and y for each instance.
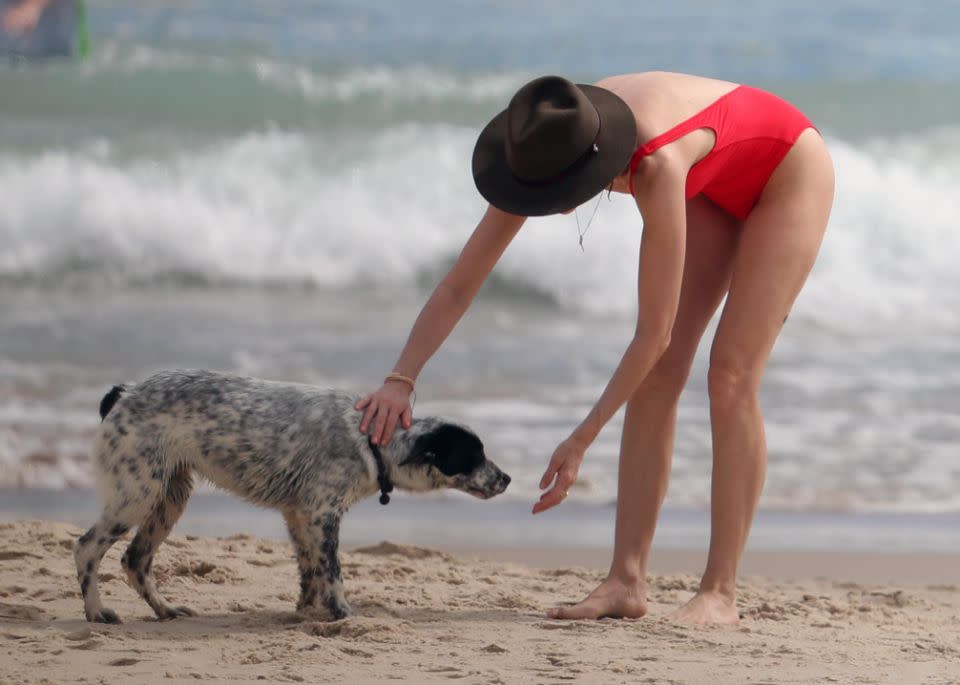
(547, 500)
(376, 434)
(386, 424)
(547, 477)
(389, 427)
(551, 471)
(368, 414)
(382, 410)
(550, 498)
(557, 493)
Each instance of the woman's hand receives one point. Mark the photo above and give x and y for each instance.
(562, 473)
(383, 409)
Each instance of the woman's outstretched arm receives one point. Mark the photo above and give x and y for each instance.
(446, 305)
(660, 198)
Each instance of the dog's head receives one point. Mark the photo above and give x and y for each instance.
(444, 455)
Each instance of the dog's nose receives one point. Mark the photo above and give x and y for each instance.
(506, 480)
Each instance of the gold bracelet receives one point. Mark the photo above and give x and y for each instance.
(403, 379)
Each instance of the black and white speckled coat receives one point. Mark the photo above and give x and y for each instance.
(292, 447)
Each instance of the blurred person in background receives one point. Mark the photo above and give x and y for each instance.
(34, 29)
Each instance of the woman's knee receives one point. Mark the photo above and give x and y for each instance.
(732, 383)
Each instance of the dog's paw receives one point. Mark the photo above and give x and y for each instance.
(332, 611)
(177, 612)
(105, 616)
(339, 609)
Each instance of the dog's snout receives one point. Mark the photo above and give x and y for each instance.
(501, 482)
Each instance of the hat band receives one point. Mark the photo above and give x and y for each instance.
(574, 167)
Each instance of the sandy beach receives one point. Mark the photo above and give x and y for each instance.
(424, 615)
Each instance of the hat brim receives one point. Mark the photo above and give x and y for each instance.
(615, 143)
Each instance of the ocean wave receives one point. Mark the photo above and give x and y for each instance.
(274, 208)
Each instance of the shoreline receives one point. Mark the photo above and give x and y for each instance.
(935, 570)
(506, 524)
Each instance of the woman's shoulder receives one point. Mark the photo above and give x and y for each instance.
(631, 81)
(662, 99)
(664, 84)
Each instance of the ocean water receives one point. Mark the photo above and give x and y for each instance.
(274, 190)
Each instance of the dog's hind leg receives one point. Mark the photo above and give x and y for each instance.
(316, 539)
(129, 484)
(89, 550)
(138, 559)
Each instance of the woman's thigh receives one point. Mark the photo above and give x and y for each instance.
(712, 236)
(778, 245)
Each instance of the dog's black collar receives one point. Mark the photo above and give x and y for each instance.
(382, 478)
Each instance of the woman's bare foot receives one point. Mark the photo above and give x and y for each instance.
(708, 608)
(613, 598)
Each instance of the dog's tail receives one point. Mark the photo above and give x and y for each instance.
(110, 399)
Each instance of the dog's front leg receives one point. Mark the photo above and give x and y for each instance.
(316, 538)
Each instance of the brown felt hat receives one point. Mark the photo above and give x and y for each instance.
(555, 146)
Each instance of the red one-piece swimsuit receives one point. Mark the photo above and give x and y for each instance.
(754, 131)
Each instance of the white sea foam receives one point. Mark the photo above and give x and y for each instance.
(410, 84)
(285, 207)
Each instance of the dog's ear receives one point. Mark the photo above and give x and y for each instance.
(451, 449)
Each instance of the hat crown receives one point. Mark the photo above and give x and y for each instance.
(550, 125)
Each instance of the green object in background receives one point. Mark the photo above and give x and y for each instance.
(83, 35)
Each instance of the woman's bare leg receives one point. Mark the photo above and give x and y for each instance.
(777, 248)
(649, 424)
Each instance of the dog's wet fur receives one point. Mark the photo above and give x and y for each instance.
(291, 447)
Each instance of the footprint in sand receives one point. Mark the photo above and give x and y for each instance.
(559, 660)
(12, 590)
(451, 672)
(11, 554)
(576, 626)
(77, 635)
(893, 598)
(21, 612)
(408, 551)
(506, 601)
(350, 628)
(269, 563)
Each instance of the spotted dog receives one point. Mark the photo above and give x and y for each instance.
(287, 446)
